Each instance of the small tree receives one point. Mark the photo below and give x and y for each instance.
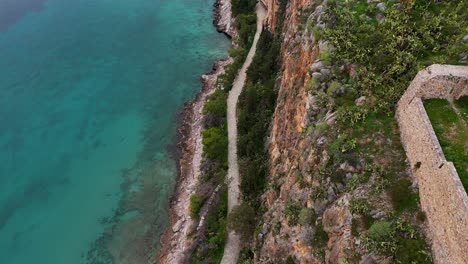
(380, 231)
(403, 196)
(196, 203)
(242, 220)
(307, 217)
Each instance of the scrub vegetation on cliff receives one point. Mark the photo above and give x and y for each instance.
(347, 171)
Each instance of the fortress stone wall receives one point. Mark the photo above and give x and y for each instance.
(443, 197)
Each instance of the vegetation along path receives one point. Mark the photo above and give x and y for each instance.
(232, 248)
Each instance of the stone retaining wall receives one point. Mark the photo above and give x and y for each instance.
(443, 197)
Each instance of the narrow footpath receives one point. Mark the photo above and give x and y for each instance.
(232, 248)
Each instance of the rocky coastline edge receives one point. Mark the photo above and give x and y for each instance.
(175, 246)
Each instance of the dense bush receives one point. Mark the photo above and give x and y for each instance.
(389, 54)
(354, 227)
(211, 248)
(242, 6)
(381, 231)
(256, 106)
(215, 144)
(381, 238)
(359, 206)
(246, 26)
(307, 216)
(216, 104)
(242, 220)
(402, 195)
(291, 212)
(196, 202)
(412, 250)
(399, 240)
(214, 110)
(321, 236)
(318, 193)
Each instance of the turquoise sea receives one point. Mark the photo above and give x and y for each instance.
(89, 91)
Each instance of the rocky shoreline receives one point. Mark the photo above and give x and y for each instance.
(223, 20)
(175, 243)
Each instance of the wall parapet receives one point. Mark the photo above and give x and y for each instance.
(443, 197)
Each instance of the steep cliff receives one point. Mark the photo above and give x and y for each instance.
(338, 188)
(291, 153)
(323, 173)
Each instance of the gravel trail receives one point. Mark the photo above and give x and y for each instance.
(232, 248)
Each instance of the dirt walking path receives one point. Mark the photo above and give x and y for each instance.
(232, 248)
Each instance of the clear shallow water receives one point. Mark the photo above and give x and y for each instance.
(88, 93)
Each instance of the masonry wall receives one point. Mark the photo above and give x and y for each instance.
(443, 197)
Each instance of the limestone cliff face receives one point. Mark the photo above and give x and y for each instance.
(286, 146)
(312, 201)
(292, 156)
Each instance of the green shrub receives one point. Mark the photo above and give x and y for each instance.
(338, 176)
(402, 195)
(321, 237)
(253, 176)
(215, 144)
(289, 260)
(421, 216)
(326, 58)
(412, 251)
(381, 231)
(291, 212)
(246, 256)
(211, 246)
(312, 85)
(247, 25)
(367, 220)
(318, 193)
(333, 87)
(307, 216)
(318, 33)
(196, 203)
(242, 220)
(388, 54)
(359, 206)
(242, 6)
(216, 104)
(462, 105)
(255, 109)
(381, 238)
(354, 227)
(322, 126)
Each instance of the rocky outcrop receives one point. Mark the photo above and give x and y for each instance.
(337, 223)
(223, 20)
(270, 18)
